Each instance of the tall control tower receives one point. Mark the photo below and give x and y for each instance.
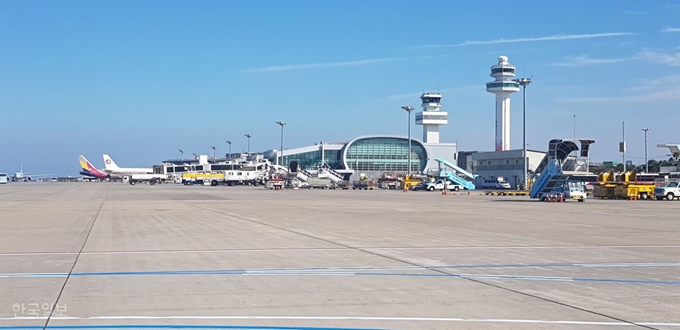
(503, 86)
(431, 117)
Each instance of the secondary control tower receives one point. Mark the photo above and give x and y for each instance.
(503, 86)
(431, 117)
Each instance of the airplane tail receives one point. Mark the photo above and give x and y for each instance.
(84, 163)
(109, 163)
(89, 169)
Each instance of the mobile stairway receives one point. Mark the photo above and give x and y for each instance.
(561, 149)
(298, 172)
(550, 176)
(326, 172)
(553, 176)
(456, 174)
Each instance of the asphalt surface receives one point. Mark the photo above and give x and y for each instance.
(105, 255)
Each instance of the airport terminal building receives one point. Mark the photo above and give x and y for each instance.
(374, 154)
(365, 154)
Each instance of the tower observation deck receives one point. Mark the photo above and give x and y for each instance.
(431, 117)
(503, 86)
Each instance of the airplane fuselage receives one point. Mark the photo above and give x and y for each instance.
(129, 170)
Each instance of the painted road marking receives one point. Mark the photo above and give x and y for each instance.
(34, 253)
(335, 273)
(311, 318)
(171, 326)
(351, 270)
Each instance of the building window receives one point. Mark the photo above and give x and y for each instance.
(385, 154)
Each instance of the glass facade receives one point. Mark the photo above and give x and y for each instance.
(498, 84)
(312, 159)
(431, 99)
(507, 70)
(434, 117)
(385, 154)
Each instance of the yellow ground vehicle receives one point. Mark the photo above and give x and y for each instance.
(410, 181)
(605, 185)
(201, 178)
(625, 185)
(640, 191)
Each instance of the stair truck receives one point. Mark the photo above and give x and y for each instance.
(555, 183)
(569, 189)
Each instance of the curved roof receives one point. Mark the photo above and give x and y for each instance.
(378, 136)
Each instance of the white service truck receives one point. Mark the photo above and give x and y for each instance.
(671, 191)
(150, 178)
(441, 184)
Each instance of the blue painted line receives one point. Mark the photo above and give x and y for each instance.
(292, 270)
(351, 271)
(171, 326)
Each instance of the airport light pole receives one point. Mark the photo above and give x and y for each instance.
(409, 109)
(574, 129)
(623, 149)
(181, 153)
(281, 123)
(229, 143)
(214, 151)
(248, 136)
(524, 82)
(646, 161)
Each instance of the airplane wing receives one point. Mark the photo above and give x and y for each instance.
(36, 175)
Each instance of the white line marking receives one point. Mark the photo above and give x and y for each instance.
(632, 264)
(343, 318)
(345, 249)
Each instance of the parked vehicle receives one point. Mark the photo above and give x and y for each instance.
(419, 186)
(498, 183)
(213, 179)
(670, 192)
(152, 179)
(443, 184)
(568, 189)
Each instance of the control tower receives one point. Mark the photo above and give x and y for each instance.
(431, 117)
(503, 86)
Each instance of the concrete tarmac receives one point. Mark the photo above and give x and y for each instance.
(101, 255)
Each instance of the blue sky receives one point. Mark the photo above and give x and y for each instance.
(141, 79)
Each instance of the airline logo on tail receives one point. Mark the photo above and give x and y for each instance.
(89, 170)
(109, 163)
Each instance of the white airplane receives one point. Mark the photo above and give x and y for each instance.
(21, 176)
(112, 168)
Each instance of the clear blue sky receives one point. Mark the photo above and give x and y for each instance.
(141, 79)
